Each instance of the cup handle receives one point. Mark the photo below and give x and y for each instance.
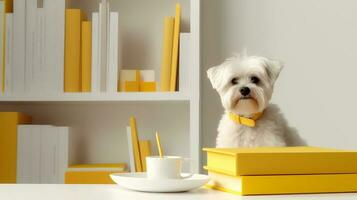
(190, 174)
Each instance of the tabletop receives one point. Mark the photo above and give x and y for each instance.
(113, 192)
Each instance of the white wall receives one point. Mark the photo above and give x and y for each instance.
(316, 39)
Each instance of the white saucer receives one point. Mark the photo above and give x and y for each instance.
(139, 182)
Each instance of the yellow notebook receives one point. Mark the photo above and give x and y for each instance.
(8, 144)
(175, 49)
(145, 150)
(72, 65)
(86, 56)
(280, 160)
(167, 54)
(136, 148)
(283, 184)
(98, 167)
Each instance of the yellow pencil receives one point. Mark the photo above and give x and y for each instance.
(159, 144)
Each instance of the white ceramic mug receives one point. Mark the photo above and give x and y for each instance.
(166, 167)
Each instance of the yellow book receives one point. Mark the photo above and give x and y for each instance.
(283, 184)
(280, 160)
(167, 54)
(136, 148)
(72, 65)
(6, 6)
(175, 49)
(98, 167)
(89, 177)
(86, 56)
(8, 144)
(145, 150)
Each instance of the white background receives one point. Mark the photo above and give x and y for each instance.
(317, 41)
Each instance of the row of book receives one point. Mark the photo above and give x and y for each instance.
(281, 170)
(32, 153)
(49, 48)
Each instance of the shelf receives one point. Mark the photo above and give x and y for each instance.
(99, 97)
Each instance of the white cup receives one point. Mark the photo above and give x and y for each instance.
(166, 167)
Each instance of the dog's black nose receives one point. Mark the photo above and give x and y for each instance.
(244, 91)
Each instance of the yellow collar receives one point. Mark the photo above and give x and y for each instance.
(244, 120)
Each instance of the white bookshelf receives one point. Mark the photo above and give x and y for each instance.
(100, 119)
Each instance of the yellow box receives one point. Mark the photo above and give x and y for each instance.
(147, 86)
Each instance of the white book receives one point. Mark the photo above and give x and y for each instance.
(28, 154)
(49, 149)
(8, 53)
(103, 41)
(184, 62)
(19, 50)
(38, 85)
(95, 53)
(130, 150)
(112, 73)
(31, 33)
(54, 20)
(63, 146)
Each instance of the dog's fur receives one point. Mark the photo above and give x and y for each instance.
(259, 75)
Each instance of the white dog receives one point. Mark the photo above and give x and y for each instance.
(245, 85)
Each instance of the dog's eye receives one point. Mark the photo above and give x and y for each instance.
(254, 79)
(234, 81)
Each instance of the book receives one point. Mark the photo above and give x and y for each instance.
(86, 56)
(93, 173)
(175, 49)
(31, 32)
(28, 154)
(283, 184)
(37, 75)
(8, 144)
(19, 49)
(42, 155)
(6, 6)
(89, 177)
(2, 43)
(184, 62)
(280, 160)
(53, 44)
(98, 167)
(166, 58)
(135, 142)
(130, 150)
(9, 54)
(95, 86)
(112, 73)
(145, 150)
(72, 72)
(103, 43)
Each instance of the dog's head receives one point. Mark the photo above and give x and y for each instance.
(245, 83)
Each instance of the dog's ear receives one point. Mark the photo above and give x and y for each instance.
(273, 68)
(215, 75)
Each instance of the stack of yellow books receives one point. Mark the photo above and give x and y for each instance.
(282, 170)
(93, 173)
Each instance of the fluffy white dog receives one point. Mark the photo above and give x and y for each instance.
(245, 85)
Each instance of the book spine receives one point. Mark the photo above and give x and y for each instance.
(167, 54)
(19, 50)
(2, 46)
(86, 56)
(103, 24)
(53, 44)
(48, 154)
(184, 62)
(37, 76)
(72, 51)
(63, 146)
(8, 54)
(135, 142)
(95, 53)
(175, 49)
(31, 32)
(112, 79)
(131, 150)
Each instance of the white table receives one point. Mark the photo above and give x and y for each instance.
(113, 192)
